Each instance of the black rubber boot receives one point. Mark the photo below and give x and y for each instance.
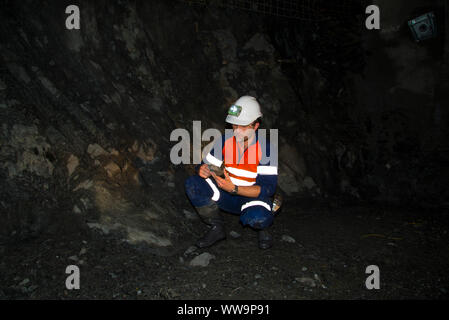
(212, 217)
(265, 239)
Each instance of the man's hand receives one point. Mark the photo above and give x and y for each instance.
(204, 171)
(226, 183)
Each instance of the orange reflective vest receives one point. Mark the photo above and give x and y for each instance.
(243, 168)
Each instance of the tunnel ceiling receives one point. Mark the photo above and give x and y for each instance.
(305, 10)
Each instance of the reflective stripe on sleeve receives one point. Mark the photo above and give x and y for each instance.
(213, 160)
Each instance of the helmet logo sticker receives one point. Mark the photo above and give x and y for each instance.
(235, 110)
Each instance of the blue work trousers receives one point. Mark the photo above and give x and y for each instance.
(255, 212)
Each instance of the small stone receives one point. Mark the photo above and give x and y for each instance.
(181, 259)
(24, 282)
(309, 183)
(304, 269)
(95, 150)
(257, 276)
(2, 85)
(307, 281)
(83, 251)
(190, 250)
(392, 244)
(87, 184)
(113, 275)
(76, 210)
(112, 169)
(288, 239)
(190, 215)
(14, 102)
(73, 258)
(202, 260)
(234, 234)
(32, 288)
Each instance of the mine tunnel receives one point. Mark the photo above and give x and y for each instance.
(91, 96)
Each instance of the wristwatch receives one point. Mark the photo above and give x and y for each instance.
(235, 191)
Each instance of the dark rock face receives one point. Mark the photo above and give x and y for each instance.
(86, 115)
(378, 114)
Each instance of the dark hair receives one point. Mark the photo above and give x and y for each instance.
(258, 120)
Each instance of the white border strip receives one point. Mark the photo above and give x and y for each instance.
(216, 195)
(256, 203)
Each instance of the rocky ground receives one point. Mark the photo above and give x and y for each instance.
(320, 252)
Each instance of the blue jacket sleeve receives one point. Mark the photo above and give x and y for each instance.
(267, 170)
(267, 185)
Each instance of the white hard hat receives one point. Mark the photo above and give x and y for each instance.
(244, 111)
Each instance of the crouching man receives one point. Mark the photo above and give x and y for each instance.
(249, 180)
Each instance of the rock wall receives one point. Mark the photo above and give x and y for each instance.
(402, 93)
(372, 123)
(89, 112)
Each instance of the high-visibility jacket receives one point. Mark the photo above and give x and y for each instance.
(257, 165)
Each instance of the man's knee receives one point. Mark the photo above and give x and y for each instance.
(190, 185)
(197, 191)
(257, 217)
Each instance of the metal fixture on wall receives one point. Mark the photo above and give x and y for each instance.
(423, 27)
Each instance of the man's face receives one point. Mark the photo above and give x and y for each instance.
(243, 133)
